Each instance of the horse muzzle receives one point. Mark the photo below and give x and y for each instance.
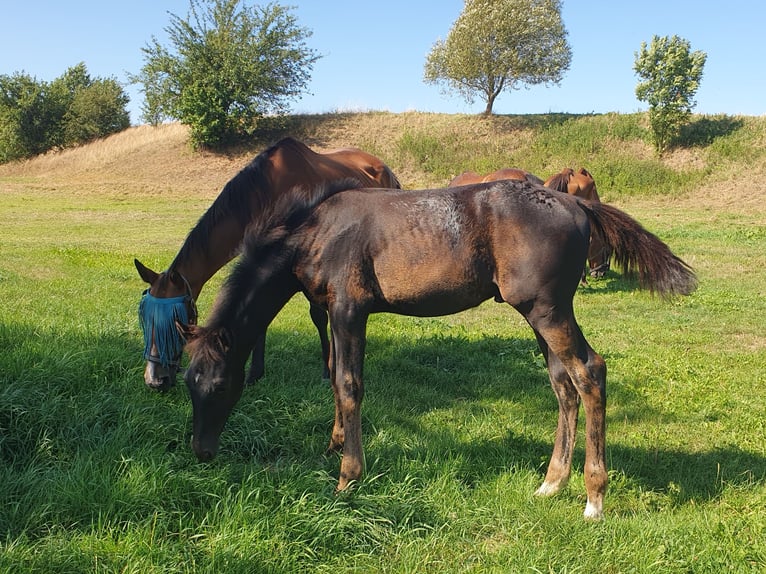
(159, 378)
(204, 450)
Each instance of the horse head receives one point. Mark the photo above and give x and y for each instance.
(166, 302)
(214, 385)
(583, 185)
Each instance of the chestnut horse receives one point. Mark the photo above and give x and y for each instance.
(582, 184)
(506, 173)
(217, 236)
(427, 253)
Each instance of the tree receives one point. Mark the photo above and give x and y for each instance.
(670, 75)
(73, 109)
(498, 45)
(88, 108)
(228, 65)
(27, 121)
(96, 111)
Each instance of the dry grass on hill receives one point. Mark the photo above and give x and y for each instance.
(146, 160)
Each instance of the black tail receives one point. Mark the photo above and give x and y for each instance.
(639, 252)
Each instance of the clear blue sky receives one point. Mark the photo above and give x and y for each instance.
(374, 51)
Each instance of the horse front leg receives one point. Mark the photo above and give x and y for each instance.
(320, 320)
(257, 360)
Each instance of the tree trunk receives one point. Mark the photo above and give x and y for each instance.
(490, 103)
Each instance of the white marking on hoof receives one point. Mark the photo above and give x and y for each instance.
(593, 511)
(548, 489)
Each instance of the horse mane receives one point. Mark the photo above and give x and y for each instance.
(247, 192)
(560, 181)
(290, 211)
(264, 250)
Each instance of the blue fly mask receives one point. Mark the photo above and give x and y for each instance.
(157, 316)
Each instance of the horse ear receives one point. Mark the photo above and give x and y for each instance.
(188, 332)
(146, 274)
(224, 340)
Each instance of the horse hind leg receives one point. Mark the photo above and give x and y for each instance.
(560, 466)
(573, 363)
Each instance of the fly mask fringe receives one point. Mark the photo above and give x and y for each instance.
(158, 317)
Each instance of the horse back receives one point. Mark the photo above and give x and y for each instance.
(438, 252)
(291, 163)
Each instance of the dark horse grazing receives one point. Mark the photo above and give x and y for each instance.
(428, 253)
(582, 184)
(216, 239)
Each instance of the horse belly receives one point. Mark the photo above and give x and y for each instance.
(430, 286)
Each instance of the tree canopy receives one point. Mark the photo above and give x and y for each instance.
(670, 75)
(500, 45)
(227, 66)
(72, 109)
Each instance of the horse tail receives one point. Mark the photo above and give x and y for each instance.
(639, 252)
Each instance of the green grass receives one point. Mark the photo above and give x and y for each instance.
(97, 474)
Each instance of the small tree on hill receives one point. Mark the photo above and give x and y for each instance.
(500, 45)
(670, 75)
(73, 109)
(89, 108)
(227, 66)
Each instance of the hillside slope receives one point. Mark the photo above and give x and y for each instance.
(723, 158)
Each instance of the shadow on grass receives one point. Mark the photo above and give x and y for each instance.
(703, 131)
(408, 380)
(82, 436)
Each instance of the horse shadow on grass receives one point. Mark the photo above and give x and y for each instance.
(456, 378)
(77, 406)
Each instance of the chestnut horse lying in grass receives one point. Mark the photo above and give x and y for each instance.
(427, 253)
(506, 173)
(216, 239)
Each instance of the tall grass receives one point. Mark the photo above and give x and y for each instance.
(458, 415)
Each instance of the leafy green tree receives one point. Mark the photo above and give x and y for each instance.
(500, 45)
(73, 109)
(227, 66)
(670, 74)
(96, 111)
(88, 108)
(27, 120)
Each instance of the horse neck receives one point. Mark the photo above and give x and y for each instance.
(201, 257)
(252, 296)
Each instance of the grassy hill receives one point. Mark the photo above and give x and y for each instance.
(717, 156)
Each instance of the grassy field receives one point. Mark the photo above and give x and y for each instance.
(96, 470)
